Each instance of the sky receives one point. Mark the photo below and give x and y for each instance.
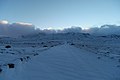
(58, 14)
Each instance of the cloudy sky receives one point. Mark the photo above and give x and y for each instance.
(61, 13)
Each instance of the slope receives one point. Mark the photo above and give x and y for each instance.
(66, 62)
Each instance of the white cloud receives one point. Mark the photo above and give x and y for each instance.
(72, 29)
(15, 29)
(25, 24)
(3, 22)
(20, 28)
(105, 30)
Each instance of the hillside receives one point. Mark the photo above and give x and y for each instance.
(69, 56)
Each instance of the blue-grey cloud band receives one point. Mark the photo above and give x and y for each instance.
(19, 28)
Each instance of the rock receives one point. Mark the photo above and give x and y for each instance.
(11, 65)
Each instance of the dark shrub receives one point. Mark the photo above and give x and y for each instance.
(72, 44)
(12, 53)
(42, 42)
(111, 57)
(52, 46)
(36, 54)
(99, 57)
(118, 65)
(82, 45)
(33, 46)
(0, 70)
(108, 52)
(8, 46)
(45, 46)
(118, 60)
(21, 59)
(104, 36)
(27, 57)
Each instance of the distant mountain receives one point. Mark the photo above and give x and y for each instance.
(57, 36)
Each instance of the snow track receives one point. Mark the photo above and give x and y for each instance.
(66, 62)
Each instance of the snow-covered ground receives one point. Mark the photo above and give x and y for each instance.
(69, 56)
